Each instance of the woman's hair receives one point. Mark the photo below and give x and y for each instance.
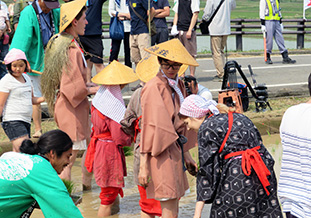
(9, 67)
(54, 140)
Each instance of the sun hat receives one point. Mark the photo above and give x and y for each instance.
(51, 4)
(196, 106)
(173, 50)
(148, 67)
(13, 55)
(115, 74)
(68, 12)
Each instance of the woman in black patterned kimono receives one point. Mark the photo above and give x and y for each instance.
(236, 171)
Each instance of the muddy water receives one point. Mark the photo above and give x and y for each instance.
(129, 204)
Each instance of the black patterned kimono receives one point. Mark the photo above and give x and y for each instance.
(222, 182)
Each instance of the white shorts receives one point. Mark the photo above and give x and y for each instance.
(79, 145)
(36, 84)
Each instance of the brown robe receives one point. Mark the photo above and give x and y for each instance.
(160, 122)
(72, 107)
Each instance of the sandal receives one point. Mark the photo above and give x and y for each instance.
(37, 134)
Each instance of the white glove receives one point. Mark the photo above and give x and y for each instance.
(263, 29)
(174, 30)
(282, 27)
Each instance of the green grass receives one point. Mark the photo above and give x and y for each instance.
(69, 185)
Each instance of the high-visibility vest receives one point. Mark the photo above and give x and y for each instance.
(272, 15)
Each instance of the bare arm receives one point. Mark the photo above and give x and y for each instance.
(152, 14)
(92, 90)
(198, 209)
(143, 176)
(161, 13)
(192, 24)
(37, 100)
(3, 97)
(122, 16)
(175, 19)
(8, 25)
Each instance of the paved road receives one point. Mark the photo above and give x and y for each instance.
(281, 79)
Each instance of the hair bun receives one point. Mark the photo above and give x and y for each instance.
(28, 147)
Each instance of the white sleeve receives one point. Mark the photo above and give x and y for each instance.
(112, 8)
(5, 84)
(209, 8)
(5, 8)
(232, 5)
(195, 6)
(262, 9)
(207, 95)
(175, 8)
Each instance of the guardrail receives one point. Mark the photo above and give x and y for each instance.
(240, 27)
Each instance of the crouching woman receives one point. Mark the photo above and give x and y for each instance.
(236, 171)
(32, 175)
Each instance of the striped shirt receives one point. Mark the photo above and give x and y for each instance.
(295, 178)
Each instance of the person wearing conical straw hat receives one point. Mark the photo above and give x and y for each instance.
(105, 156)
(64, 85)
(163, 152)
(146, 69)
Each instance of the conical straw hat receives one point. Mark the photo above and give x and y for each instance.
(173, 50)
(148, 67)
(68, 11)
(115, 74)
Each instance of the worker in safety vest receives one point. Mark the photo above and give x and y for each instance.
(271, 26)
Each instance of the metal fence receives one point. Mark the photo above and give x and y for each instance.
(240, 27)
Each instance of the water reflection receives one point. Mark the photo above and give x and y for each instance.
(129, 206)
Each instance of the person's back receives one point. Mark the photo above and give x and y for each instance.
(249, 189)
(294, 184)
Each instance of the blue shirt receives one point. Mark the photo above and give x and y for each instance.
(94, 17)
(141, 7)
(46, 25)
(160, 4)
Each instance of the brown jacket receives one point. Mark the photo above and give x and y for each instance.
(72, 107)
(160, 122)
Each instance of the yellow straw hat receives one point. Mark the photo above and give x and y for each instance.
(148, 67)
(115, 74)
(173, 50)
(68, 12)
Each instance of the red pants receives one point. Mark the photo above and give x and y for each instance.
(149, 206)
(109, 194)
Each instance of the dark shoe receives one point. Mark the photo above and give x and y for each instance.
(286, 59)
(136, 87)
(269, 61)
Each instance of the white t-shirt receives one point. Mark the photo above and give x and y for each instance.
(195, 6)
(4, 15)
(220, 25)
(19, 103)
